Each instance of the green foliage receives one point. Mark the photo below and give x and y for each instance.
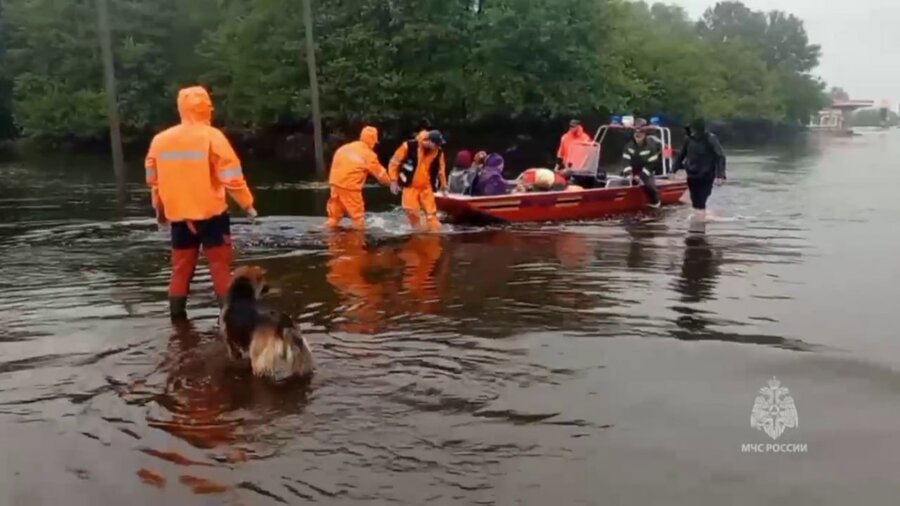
(395, 62)
(875, 118)
(769, 58)
(837, 93)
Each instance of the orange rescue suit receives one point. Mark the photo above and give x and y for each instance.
(419, 195)
(189, 168)
(351, 165)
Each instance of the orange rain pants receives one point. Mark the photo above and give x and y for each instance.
(416, 200)
(421, 255)
(344, 202)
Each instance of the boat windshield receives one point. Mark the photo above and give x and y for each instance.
(612, 140)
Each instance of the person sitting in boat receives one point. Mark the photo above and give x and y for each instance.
(489, 181)
(641, 154)
(463, 174)
(478, 162)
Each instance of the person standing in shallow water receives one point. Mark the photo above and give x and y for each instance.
(189, 168)
(351, 165)
(418, 168)
(704, 161)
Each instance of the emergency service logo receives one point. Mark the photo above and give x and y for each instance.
(774, 411)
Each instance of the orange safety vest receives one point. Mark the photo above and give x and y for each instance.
(413, 167)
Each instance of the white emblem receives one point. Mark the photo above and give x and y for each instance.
(774, 410)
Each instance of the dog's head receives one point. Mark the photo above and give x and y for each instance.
(255, 276)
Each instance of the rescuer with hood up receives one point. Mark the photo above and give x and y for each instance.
(189, 168)
(351, 165)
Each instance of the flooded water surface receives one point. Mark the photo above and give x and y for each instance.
(613, 362)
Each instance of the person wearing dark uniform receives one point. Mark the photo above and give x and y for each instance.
(641, 154)
(704, 161)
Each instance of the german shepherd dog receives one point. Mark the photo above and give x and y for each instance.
(270, 339)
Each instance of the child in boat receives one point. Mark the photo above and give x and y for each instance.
(489, 181)
(463, 174)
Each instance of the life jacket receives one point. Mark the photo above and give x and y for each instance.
(409, 166)
(559, 181)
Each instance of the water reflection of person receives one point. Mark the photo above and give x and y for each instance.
(699, 269)
(366, 303)
(641, 249)
(697, 281)
(421, 256)
(362, 301)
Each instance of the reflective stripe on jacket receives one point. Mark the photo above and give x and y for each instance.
(189, 167)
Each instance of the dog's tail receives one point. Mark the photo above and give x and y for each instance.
(278, 353)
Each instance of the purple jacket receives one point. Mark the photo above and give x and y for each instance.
(490, 180)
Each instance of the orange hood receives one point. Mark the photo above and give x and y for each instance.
(194, 105)
(369, 136)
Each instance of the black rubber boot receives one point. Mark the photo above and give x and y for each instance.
(178, 309)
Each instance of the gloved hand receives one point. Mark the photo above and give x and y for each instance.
(252, 214)
(395, 188)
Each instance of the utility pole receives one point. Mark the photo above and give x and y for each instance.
(112, 105)
(313, 87)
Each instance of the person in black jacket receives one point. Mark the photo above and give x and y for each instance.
(704, 161)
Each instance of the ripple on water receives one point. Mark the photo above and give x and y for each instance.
(436, 353)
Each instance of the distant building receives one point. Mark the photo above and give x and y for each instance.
(837, 117)
(830, 119)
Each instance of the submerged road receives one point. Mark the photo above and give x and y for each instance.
(613, 362)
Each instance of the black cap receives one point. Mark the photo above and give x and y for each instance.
(436, 137)
(574, 123)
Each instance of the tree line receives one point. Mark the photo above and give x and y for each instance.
(395, 62)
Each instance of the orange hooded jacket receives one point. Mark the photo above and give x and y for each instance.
(190, 166)
(568, 140)
(354, 161)
(422, 176)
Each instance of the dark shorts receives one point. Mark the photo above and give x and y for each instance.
(700, 188)
(210, 233)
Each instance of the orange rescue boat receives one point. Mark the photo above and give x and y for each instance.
(617, 196)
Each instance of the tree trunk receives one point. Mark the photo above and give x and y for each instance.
(313, 87)
(112, 105)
